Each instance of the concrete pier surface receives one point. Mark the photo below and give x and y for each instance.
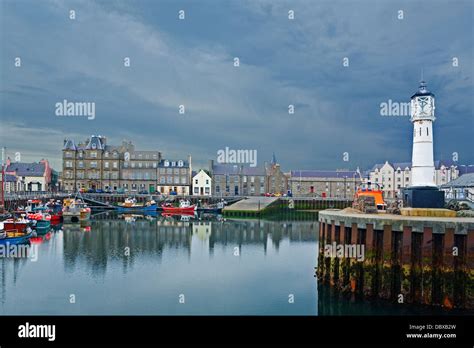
(252, 204)
(397, 222)
(406, 259)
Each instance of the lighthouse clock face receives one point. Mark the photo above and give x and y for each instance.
(423, 106)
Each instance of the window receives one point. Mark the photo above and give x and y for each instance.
(106, 165)
(176, 179)
(207, 181)
(162, 180)
(252, 179)
(139, 164)
(169, 179)
(169, 171)
(244, 178)
(154, 164)
(218, 189)
(93, 154)
(167, 163)
(106, 154)
(180, 163)
(196, 181)
(81, 164)
(183, 180)
(162, 170)
(176, 171)
(115, 164)
(133, 164)
(183, 170)
(427, 132)
(93, 164)
(68, 164)
(196, 190)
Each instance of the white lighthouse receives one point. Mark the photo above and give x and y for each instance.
(422, 117)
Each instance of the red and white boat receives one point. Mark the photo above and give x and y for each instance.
(184, 208)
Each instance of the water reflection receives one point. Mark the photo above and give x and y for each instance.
(126, 238)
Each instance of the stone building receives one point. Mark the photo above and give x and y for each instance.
(237, 179)
(277, 181)
(202, 184)
(392, 177)
(174, 176)
(94, 164)
(324, 183)
(36, 176)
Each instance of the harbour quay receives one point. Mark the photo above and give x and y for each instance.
(407, 259)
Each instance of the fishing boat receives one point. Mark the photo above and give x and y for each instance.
(185, 207)
(212, 208)
(20, 224)
(131, 204)
(75, 210)
(371, 190)
(14, 236)
(42, 220)
(55, 210)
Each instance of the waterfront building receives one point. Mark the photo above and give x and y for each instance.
(139, 171)
(324, 183)
(393, 177)
(23, 177)
(174, 176)
(277, 181)
(202, 184)
(460, 188)
(237, 179)
(94, 164)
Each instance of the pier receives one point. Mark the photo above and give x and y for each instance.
(408, 259)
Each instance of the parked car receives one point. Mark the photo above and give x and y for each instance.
(90, 191)
(121, 191)
(99, 191)
(143, 192)
(173, 193)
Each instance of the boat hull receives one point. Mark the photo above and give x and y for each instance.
(16, 240)
(151, 208)
(178, 210)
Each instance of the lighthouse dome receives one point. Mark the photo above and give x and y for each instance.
(422, 91)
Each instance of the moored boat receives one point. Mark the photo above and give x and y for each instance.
(131, 204)
(14, 236)
(75, 210)
(184, 208)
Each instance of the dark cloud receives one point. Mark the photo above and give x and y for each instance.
(283, 62)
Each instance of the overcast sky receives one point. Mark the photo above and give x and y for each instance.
(282, 62)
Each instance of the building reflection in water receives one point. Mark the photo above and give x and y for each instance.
(110, 236)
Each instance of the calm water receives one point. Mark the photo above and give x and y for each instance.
(147, 265)
(231, 267)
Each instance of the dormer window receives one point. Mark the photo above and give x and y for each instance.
(167, 163)
(180, 163)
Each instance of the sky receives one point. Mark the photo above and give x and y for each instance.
(336, 62)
